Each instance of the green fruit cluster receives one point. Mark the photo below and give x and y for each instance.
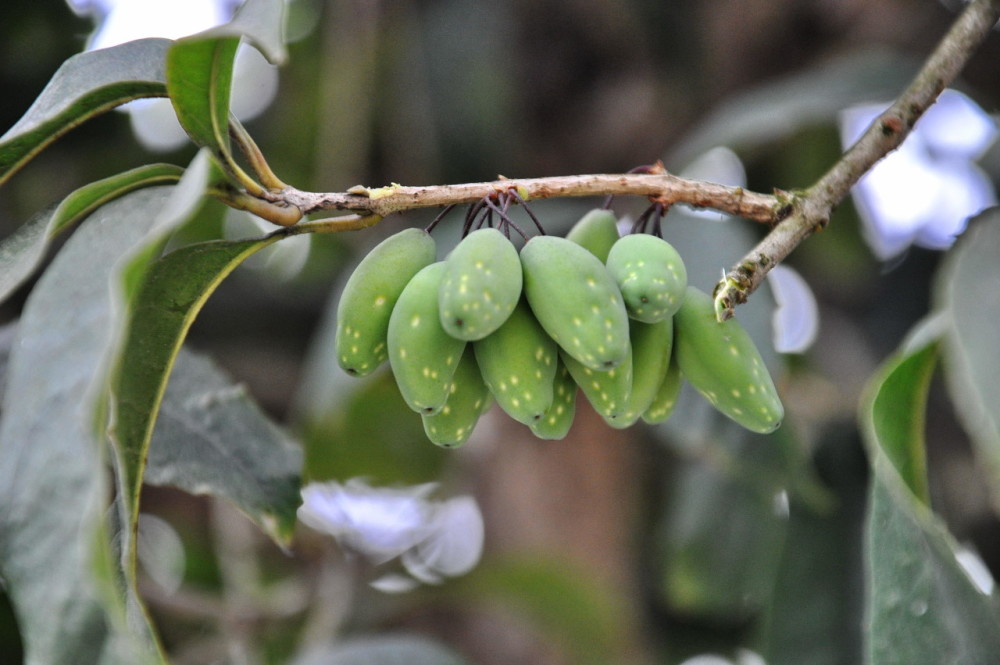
(612, 316)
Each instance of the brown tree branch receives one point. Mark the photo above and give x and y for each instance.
(664, 187)
(795, 216)
(811, 210)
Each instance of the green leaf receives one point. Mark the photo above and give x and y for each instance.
(922, 606)
(967, 294)
(22, 251)
(241, 456)
(85, 85)
(200, 70)
(893, 412)
(199, 81)
(54, 549)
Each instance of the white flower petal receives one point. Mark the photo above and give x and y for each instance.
(795, 322)
(455, 544)
(394, 583)
(161, 552)
(379, 523)
(955, 125)
(977, 571)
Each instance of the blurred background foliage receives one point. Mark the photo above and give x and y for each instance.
(648, 545)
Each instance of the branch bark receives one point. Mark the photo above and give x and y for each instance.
(795, 216)
(663, 187)
(811, 211)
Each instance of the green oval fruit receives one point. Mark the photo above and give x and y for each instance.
(596, 232)
(518, 363)
(556, 422)
(370, 295)
(666, 397)
(468, 399)
(652, 344)
(650, 275)
(422, 355)
(608, 392)
(722, 363)
(481, 285)
(576, 301)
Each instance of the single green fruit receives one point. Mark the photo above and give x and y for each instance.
(608, 392)
(650, 275)
(652, 344)
(596, 232)
(422, 355)
(518, 363)
(666, 396)
(556, 422)
(722, 363)
(576, 301)
(370, 294)
(481, 285)
(468, 399)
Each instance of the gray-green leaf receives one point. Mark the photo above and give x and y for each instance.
(84, 86)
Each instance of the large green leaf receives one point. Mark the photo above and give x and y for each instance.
(22, 251)
(922, 606)
(967, 294)
(199, 80)
(54, 552)
(212, 439)
(200, 70)
(85, 85)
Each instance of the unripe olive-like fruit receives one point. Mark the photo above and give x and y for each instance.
(422, 355)
(556, 422)
(722, 363)
(576, 301)
(596, 232)
(652, 344)
(468, 399)
(370, 294)
(481, 285)
(650, 275)
(518, 363)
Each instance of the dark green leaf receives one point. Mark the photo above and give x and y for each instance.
(200, 69)
(54, 550)
(85, 85)
(892, 414)
(922, 609)
(199, 80)
(968, 296)
(922, 605)
(21, 252)
(381, 650)
(212, 438)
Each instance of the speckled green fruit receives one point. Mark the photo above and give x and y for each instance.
(422, 355)
(650, 275)
(481, 285)
(596, 232)
(468, 399)
(722, 363)
(651, 348)
(556, 422)
(576, 301)
(666, 396)
(370, 294)
(518, 363)
(608, 392)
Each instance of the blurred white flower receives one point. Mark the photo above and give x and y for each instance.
(433, 539)
(924, 192)
(255, 81)
(282, 261)
(795, 322)
(743, 657)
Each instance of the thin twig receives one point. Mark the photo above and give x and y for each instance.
(811, 210)
(764, 208)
